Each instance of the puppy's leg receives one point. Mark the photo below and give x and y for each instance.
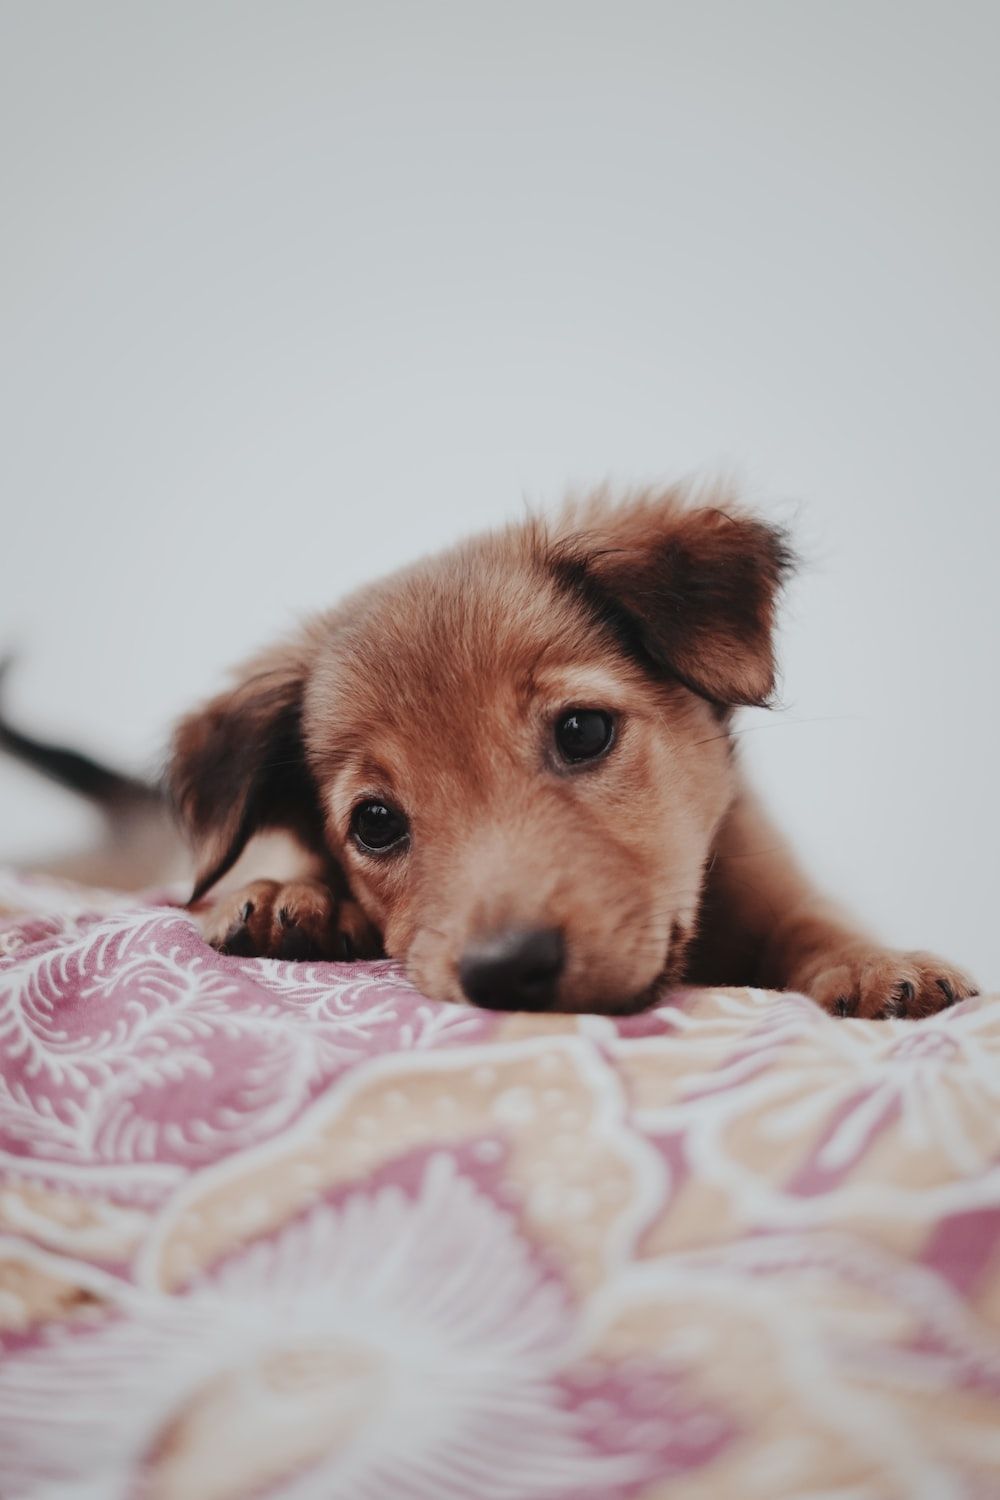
(302, 919)
(765, 923)
(301, 910)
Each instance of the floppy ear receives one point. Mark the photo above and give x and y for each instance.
(692, 590)
(238, 764)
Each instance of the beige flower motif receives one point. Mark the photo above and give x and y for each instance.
(846, 1371)
(547, 1110)
(799, 1119)
(397, 1344)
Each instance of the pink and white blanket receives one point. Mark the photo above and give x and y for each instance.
(270, 1229)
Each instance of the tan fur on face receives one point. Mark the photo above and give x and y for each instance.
(451, 687)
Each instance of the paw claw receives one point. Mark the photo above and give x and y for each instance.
(899, 1003)
(947, 991)
(237, 942)
(296, 945)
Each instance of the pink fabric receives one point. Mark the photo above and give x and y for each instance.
(270, 1229)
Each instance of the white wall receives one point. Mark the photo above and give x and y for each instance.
(294, 291)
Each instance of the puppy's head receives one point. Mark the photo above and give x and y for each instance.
(516, 751)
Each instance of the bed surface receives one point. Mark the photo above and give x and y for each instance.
(270, 1229)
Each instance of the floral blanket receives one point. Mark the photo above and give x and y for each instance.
(270, 1229)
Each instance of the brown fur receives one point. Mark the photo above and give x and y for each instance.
(437, 691)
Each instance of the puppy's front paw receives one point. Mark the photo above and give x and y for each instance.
(299, 919)
(882, 984)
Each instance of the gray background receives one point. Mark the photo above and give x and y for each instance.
(294, 292)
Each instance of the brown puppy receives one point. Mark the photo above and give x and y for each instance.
(516, 759)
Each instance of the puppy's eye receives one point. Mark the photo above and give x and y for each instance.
(584, 734)
(376, 827)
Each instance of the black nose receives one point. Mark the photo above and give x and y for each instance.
(514, 970)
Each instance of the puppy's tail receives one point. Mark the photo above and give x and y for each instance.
(141, 845)
(111, 791)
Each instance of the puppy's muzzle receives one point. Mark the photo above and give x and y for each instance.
(514, 970)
